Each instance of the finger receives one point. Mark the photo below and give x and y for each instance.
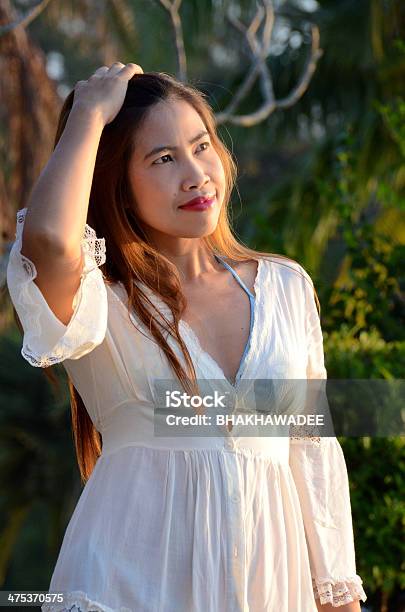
(115, 67)
(99, 73)
(131, 69)
(101, 70)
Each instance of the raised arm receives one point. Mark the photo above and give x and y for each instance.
(57, 212)
(57, 209)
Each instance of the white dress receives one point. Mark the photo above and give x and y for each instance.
(192, 524)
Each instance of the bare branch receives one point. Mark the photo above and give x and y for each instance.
(259, 52)
(24, 20)
(309, 70)
(173, 10)
(265, 82)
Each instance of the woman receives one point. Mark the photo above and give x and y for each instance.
(218, 522)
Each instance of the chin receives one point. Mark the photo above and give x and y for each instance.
(199, 230)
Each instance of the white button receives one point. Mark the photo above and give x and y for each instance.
(229, 444)
(235, 498)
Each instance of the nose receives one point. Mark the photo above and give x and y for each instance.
(196, 177)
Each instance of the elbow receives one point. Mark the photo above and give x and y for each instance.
(39, 246)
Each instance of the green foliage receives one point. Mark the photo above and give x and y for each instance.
(365, 356)
(368, 290)
(363, 339)
(377, 468)
(375, 465)
(394, 115)
(38, 472)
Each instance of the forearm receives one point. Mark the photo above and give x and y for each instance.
(58, 205)
(353, 606)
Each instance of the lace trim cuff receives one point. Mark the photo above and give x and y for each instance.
(299, 434)
(78, 601)
(339, 591)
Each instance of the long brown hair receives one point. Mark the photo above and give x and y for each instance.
(130, 256)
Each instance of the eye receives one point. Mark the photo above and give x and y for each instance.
(155, 163)
(168, 155)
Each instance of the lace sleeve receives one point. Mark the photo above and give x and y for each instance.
(320, 474)
(47, 340)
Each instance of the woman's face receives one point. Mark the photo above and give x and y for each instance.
(163, 179)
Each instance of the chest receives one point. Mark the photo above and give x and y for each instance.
(220, 317)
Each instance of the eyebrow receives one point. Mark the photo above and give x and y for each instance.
(171, 148)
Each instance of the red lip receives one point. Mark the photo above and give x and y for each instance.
(197, 202)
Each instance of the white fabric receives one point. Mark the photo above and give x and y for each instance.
(46, 339)
(193, 524)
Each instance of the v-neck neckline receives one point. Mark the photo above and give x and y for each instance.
(244, 362)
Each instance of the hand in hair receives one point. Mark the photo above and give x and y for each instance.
(104, 92)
